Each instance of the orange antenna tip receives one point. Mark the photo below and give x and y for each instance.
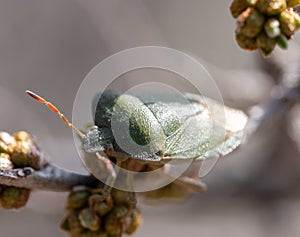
(55, 110)
(35, 96)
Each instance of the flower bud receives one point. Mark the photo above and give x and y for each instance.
(4, 148)
(237, 7)
(272, 27)
(74, 224)
(64, 225)
(36, 160)
(5, 162)
(91, 216)
(101, 208)
(78, 199)
(13, 197)
(120, 211)
(7, 142)
(265, 44)
(20, 154)
(250, 22)
(23, 136)
(246, 42)
(120, 197)
(113, 226)
(287, 22)
(282, 41)
(292, 3)
(89, 220)
(136, 221)
(251, 3)
(297, 20)
(271, 7)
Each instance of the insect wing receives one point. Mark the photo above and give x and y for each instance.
(198, 135)
(207, 135)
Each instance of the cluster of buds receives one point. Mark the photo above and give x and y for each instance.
(261, 24)
(90, 216)
(17, 151)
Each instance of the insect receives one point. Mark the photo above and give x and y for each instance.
(126, 127)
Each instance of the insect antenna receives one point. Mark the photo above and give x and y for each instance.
(55, 110)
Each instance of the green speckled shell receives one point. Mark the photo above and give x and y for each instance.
(198, 129)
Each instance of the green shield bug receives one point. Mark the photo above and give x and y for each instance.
(160, 131)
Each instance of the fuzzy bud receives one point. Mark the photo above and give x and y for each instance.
(282, 41)
(135, 221)
(5, 162)
(297, 20)
(265, 44)
(287, 22)
(27, 154)
(78, 199)
(23, 136)
(272, 27)
(250, 22)
(271, 7)
(7, 142)
(89, 220)
(246, 42)
(74, 224)
(252, 3)
(64, 225)
(237, 7)
(292, 3)
(13, 197)
(101, 208)
(120, 197)
(91, 216)
(262, 19)
(113, 225)
(20, 154)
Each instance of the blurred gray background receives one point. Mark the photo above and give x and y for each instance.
(50, 46)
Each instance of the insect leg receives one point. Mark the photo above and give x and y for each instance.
(112, 175)
(132, 194)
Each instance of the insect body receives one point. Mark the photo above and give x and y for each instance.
(157, 132)
(197, 129)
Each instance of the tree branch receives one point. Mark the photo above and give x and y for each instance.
(284, 95)
(50, 178)
(287, 92)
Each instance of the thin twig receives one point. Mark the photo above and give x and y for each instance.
(50, 178)
(287, 93)
(284, 95)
